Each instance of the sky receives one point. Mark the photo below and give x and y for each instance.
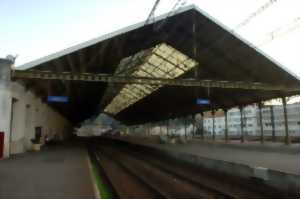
(32, 29)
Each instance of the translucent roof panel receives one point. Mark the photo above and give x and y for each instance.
(162, 61)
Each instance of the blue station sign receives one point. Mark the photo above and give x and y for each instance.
(60, 99)
(203, 101)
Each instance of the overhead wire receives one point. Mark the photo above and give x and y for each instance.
(151, 16)
(257, 12)
(176, 7)
(280, 32)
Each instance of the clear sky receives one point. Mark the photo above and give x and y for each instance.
(33, 28)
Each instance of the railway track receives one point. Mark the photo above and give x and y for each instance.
(136, 173)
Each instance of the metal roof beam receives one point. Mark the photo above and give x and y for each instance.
(89, 77)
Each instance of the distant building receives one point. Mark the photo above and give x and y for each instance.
(251, 120)
(293, 113)
(219, 123)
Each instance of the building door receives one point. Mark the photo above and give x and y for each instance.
(1, 144)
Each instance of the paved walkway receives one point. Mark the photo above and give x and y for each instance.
(285, 162)
(56, 173)
(273, 156)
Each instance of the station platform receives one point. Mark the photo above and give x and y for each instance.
(58, 172)
(270, 167)
(273, 156)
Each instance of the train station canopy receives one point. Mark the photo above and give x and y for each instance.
(215, 64)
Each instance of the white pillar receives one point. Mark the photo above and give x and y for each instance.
(18, 127)
(5, 102)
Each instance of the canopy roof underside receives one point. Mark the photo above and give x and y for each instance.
(163, 49)
(163, 61)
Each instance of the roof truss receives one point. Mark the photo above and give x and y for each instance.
(191, 82)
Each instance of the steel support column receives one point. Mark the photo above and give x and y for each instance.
(226, 125)
(202, 125)
(168, 127)
(213, 125)
(160, 129)
(287, 136)
(272, 123)
(149, 132)
(242, 124)
(185, 135)
(194, 124)
(262, 138)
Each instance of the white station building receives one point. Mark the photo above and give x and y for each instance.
(21, 113)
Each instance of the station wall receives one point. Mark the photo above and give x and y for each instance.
(21, 111)
(28, 112)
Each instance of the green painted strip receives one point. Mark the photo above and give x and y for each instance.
(101, 185)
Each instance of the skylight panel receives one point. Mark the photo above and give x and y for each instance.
(162, 61)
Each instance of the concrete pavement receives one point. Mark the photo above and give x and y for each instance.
(56, 173)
